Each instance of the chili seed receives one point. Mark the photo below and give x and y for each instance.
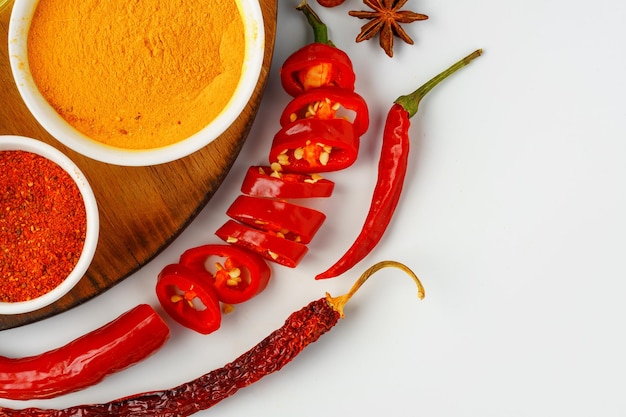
(324, 158)
(283, 159)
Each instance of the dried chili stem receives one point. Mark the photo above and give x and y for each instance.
(339, 302)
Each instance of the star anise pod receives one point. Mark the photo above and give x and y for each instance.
(385, 22)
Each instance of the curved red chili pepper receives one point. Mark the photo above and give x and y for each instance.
(313, 145)
(270, 355)
(87, 360)
(189, 298)
(391, 172)
(270, 246)
(286, 220)
(264, 182)
(328, 103)
(237, 277)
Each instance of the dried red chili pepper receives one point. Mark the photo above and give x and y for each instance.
(391, 172)
(317, 64)
(237, 275)
(271, 247)
(286, 220)
(327, 103)
(280, 347)
(189, 298)
(265, 182)
(314, 145)
(130, 338)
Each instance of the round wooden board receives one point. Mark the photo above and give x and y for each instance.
(142, 209)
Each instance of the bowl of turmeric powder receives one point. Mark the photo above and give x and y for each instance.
(136, 83)
(49, 224)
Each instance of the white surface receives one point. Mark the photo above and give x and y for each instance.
(512, 215)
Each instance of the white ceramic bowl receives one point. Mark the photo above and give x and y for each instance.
(44, 113)
(13, 143)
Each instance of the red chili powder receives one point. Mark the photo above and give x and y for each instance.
(42, 225)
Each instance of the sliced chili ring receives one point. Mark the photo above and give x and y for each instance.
(236, 274)
(189, 298)
(271, 247)
(328, 103)
(286, 220)
(313, 145)
(316, 65)
(265, 182)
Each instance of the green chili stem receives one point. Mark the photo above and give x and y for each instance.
(410, 102)
(320, 30)
(339, 302)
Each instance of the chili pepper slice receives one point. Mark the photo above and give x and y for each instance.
(300, 329)
(87, 360)
(263, 181)
(392, 168)
(286, 220)
(328, 103)
(189, 298)
(317, 64)
(236, 274)
(271, 247)
(313, 145)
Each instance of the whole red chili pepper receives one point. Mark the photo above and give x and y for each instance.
(130, 338)
(391, 172)
(301, 328)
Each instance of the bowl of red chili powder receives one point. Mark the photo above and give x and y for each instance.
(136, 83)
(49, 224)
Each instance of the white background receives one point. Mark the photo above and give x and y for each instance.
(512, 215)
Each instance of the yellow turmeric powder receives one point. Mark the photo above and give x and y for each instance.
(137, 74)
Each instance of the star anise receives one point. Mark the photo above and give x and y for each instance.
(385, 22)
